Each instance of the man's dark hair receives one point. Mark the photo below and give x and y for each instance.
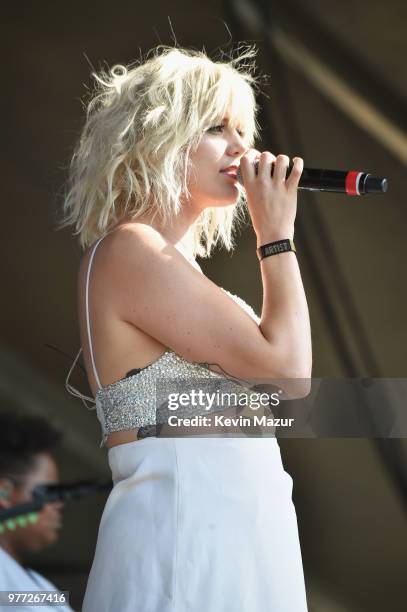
(21, 438)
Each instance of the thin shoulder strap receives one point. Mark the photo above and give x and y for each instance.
(87, 312)
(71, 390)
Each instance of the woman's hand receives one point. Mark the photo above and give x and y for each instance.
(271, 200)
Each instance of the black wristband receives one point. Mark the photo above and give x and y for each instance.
(274, 248)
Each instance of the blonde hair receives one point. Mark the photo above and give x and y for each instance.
(142, 122)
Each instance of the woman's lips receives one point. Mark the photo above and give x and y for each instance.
(231, 173)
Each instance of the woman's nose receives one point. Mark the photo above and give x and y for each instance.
(237, 145)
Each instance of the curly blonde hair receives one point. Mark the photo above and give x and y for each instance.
(142, 122)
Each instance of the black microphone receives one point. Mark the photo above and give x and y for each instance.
(351, 182)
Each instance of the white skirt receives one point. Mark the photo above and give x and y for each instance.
(202, 524)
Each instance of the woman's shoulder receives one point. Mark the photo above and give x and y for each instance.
(136, 236)
(129, 246)
(126, 235)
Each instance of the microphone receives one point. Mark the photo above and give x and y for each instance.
(351, 182)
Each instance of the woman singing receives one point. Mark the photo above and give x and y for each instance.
(198, 523)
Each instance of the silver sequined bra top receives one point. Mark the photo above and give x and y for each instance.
(131, 402)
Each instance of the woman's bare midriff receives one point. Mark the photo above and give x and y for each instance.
(130, 435)
(121, 437)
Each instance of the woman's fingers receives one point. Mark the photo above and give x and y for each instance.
(268, 164)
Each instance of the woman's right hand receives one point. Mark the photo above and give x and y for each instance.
(271, 200)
